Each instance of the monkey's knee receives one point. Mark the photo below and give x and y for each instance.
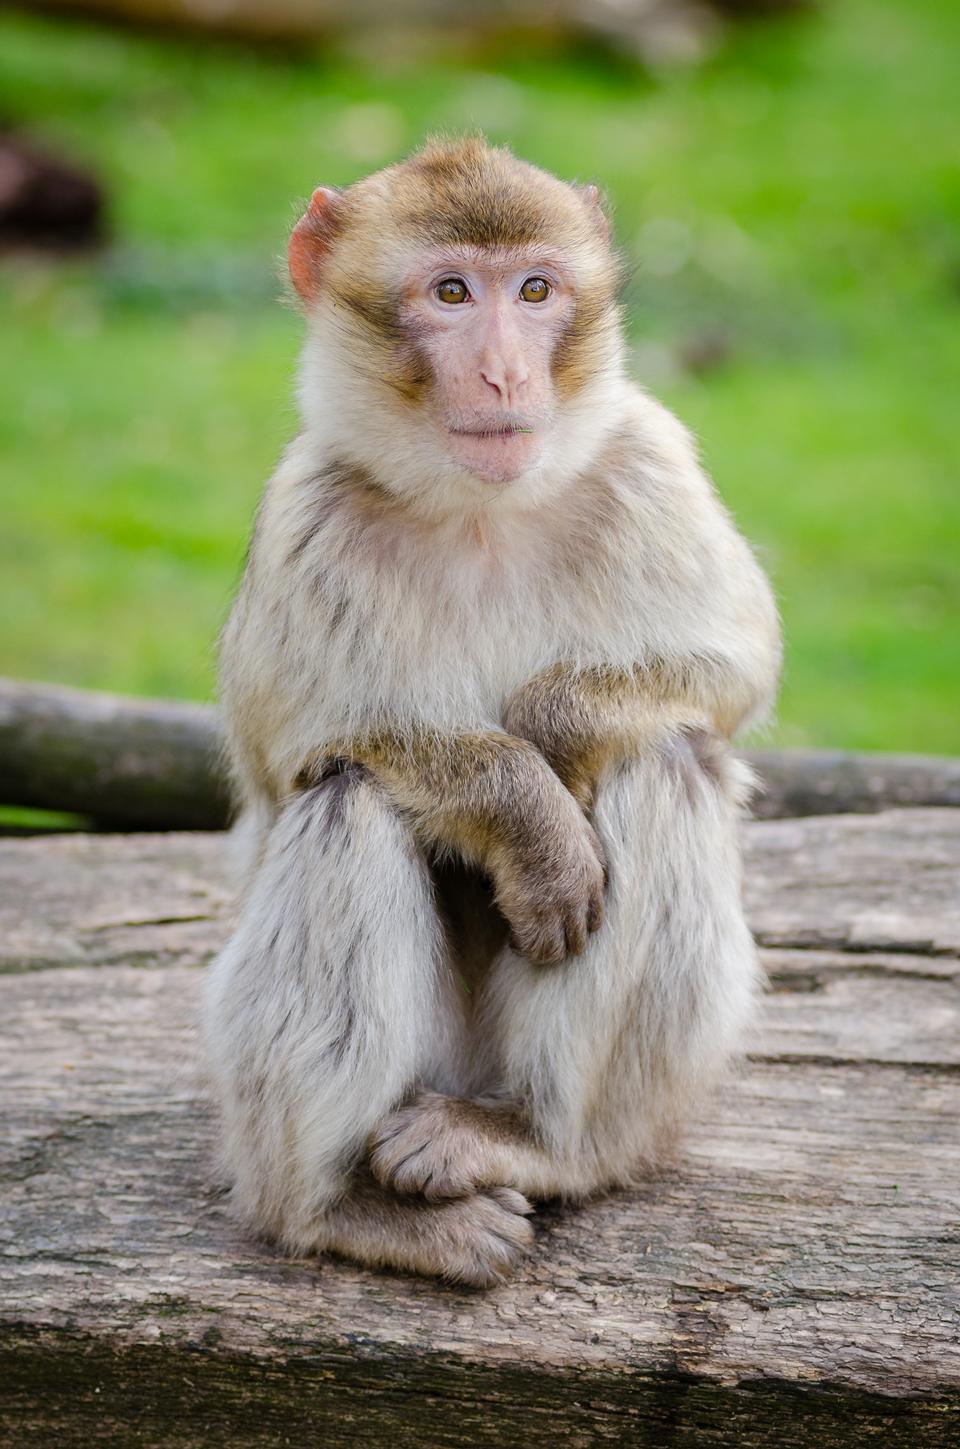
(330, 770)
(328, 788)
(342, 812)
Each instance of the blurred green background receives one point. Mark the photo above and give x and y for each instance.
(791, 208)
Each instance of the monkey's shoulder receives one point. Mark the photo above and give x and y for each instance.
(652, 488)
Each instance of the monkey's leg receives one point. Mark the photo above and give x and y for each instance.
(592, 1063)
(331, 1001)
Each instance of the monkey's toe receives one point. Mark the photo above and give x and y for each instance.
(484, 1237)
(422, 1149)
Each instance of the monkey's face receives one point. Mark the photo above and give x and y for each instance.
(485, 326)
(465, 325)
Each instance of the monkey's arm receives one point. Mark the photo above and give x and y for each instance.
(583, 720)
(494, 800)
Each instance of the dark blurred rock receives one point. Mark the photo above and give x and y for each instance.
(46, 203)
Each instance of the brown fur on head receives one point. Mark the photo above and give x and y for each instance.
(455, 196)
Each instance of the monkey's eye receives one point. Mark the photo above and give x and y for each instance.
(452, 290)
(535, 289)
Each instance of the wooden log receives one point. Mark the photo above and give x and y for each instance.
(125, 762)
(156, 764)
(792, 1280)
(839, 782)
(635, 25)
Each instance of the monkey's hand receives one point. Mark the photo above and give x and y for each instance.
(496, 801)
(549, 877)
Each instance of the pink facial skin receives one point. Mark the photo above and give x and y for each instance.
(490, 354)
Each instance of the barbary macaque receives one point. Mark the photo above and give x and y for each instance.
(495, 633)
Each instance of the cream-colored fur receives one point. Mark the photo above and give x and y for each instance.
(336, 999)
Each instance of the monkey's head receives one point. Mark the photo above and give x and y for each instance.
(464, 325)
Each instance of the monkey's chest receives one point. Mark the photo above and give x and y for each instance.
(451, 668)
(445, 642)
(454, 661)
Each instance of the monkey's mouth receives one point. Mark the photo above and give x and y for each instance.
(508, 430)
(496, 452)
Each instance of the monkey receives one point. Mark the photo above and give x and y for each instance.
(495, 634)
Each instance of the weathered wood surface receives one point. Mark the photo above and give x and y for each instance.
(793, 1280)
(832, 782)
(156, 764)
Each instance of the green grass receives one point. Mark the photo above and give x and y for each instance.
(797, 199)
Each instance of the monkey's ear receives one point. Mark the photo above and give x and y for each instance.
(592, 196)
(311, 240)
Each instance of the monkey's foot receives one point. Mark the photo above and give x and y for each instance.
(481, 1239)
(444, 1147)
(476, 1240)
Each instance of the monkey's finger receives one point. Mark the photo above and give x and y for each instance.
(546, 945)
(600, 854)
(576, 931)
(552, 954)
(513, 1201)
(595, 911)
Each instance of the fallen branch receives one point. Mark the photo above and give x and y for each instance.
(127, 763)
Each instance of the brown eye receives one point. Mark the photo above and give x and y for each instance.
(535, 289)
(451, 289)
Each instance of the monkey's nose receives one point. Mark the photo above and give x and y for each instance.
(506, 379)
